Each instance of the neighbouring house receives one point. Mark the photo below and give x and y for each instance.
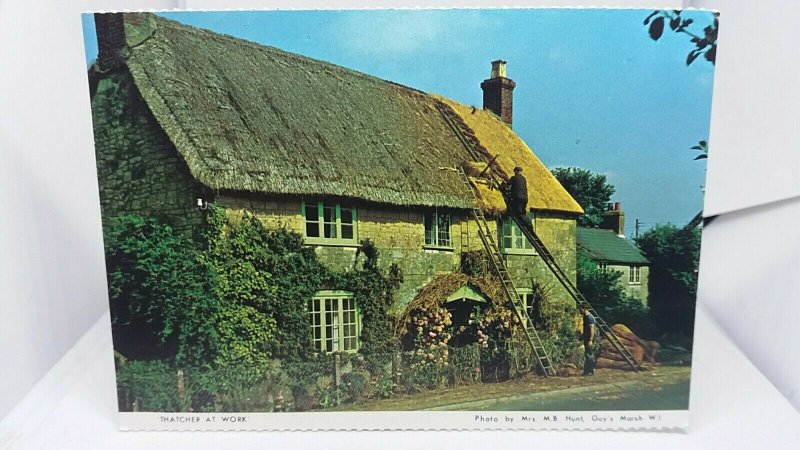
(184, 117)
(611, 250)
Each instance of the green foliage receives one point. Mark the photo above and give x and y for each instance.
(152, 384)
(265, 278)
(704, 45)
(374, 293)
(591, 190)
(674, 254)
(609, 298)
(162, 304)
(386, 387)
(354, 385)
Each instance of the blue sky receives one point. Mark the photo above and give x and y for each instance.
(593, 90)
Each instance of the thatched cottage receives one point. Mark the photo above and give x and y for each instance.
(184, 117)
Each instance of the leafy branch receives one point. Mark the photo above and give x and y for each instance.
(702, 147)
(706, 44)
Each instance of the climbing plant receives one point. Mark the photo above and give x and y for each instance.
(162, 299)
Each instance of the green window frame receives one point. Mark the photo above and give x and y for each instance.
(335, 322)
(329, 223)
(437, 228)
(512, 240)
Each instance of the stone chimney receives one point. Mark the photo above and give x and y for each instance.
(498, 92)
(614, 219)
(111, 42)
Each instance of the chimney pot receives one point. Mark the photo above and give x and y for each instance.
(498, 69)
(614, 219)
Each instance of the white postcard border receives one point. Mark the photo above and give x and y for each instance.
(406, 420)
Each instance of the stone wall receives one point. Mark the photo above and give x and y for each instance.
(399, 234)
(639, 291)
(557, 232)
(138, 169)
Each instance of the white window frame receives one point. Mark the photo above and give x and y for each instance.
(635, 275)
(345, 332)
(320, 222)
(438, 241)
(519, 243)
(525, 296)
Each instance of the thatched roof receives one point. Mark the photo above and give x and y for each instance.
(544, 191)
(248, 117)
(442, 286)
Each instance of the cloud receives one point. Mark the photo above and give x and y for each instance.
(403, 32)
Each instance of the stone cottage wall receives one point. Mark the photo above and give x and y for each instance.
(557, 231)
(139, 171)
(398, 233)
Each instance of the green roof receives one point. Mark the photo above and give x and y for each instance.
(252, 118)
(466, 292)
(606, 246)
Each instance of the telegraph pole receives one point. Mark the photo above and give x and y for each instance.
(636, 233)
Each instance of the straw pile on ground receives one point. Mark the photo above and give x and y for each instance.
(642, 350)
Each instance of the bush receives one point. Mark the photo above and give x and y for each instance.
(152, 385)
(603, 291)
(161, 298)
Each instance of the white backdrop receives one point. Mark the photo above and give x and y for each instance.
(52, 285)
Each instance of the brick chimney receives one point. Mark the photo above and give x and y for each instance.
(614, 219)
(498, 92)
(111, 42)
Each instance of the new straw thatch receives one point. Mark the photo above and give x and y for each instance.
(435, 293)
(248, 117)
(495, 138)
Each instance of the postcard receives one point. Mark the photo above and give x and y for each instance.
(402, 219)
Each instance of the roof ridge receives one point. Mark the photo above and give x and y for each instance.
(281, 52)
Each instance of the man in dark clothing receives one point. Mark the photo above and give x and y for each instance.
(518, 197)
(589, 325)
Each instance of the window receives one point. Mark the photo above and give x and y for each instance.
(335, 322)
(329, 223)
(527, 299)
(437, 229)
(635, 275)
(513, 240)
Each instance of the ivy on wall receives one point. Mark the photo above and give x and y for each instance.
(238, 298)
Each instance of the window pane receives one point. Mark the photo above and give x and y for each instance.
(312, 212)
(347, 232)
(429, 228)
(329, 213)
(312, 229)
(443, 226)
(347, 215)
(330, 230)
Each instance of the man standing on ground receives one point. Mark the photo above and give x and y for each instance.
(589, 325)
(518, 197)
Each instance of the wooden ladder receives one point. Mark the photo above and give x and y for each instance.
(462, 131)
(486, 235)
